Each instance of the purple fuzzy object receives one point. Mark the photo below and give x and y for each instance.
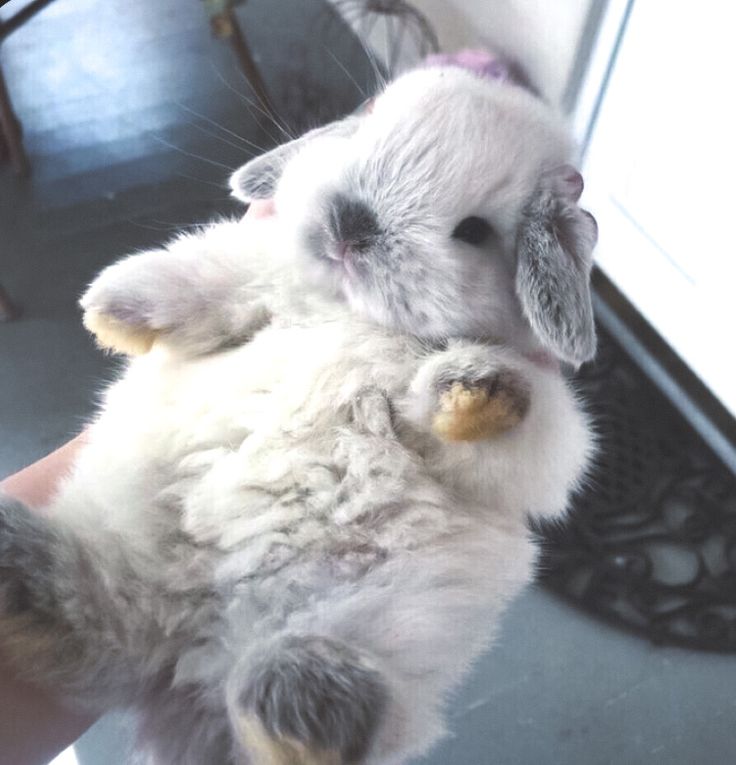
(482, 63)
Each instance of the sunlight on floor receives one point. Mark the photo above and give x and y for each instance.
(67, 757)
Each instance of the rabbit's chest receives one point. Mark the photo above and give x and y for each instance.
(220, 399)
(255, 446)
(287, 392)
(295, 380)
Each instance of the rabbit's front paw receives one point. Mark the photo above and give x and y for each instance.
(115, 335)
(471, 410)
(121, 309)
(468, 393)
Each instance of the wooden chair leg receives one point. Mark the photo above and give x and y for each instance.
(226, 25)
(8, 310)
(248, 64)
(11, 132)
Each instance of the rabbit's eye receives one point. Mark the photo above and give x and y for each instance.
(473, 230)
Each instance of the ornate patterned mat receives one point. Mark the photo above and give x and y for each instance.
(651, 541)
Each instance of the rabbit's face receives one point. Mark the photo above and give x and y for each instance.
(414, 211)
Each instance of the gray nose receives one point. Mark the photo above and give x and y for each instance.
(352, 221)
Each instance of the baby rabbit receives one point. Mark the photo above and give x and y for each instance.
(302, 508)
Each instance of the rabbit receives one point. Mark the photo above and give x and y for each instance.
(304, 505)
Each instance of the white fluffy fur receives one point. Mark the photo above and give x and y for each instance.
(300, 470)
(407, 549)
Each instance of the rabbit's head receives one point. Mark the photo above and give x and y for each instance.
(448, 209)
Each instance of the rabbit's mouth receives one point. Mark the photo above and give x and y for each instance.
(341, 256)
(333, 266)
(345, 257)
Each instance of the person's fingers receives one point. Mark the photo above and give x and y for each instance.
(36, 484)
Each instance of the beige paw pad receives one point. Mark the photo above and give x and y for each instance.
(475, 412)
(265, 749)
(117, 336)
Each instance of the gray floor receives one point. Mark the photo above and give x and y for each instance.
(559, 687)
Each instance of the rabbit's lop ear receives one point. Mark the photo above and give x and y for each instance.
(258, 178)
(555, 244)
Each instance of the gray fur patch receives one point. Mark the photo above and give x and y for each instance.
(554, 247)
(317, 692)
(26, 548)
(258, 178)
(352, 221)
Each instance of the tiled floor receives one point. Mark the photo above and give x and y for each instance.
(106, 90)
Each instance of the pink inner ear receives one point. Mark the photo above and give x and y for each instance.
(569, 182)
(261, 208)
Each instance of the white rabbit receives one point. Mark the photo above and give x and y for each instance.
(303, 506)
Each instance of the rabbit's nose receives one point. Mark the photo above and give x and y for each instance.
(353, 222)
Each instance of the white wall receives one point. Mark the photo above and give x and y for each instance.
(542, 35)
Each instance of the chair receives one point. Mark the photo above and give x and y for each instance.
(11, 141)
(224, 24)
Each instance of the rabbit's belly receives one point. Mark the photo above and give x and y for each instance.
(264, 415)
(288, 379)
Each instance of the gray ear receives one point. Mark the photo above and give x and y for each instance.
(554, 256)
(258, 178)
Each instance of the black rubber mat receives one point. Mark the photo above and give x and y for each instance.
(650, 543)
